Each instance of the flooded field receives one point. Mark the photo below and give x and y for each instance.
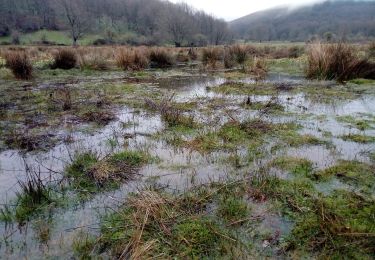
(188, 163)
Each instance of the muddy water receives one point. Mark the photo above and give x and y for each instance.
(178, 169)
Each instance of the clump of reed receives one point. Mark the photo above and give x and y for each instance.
(161, 58)
(65, 59)
(92, 61)
(236, 54)
(135, 59)
(257, 68)
(337, 62)
(211, 56)
(18, 62)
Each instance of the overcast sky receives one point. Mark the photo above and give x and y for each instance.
(232, 9)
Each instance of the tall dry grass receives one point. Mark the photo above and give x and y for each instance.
(336, 62)
(18, 62)
(161, 58)
(211, 56)
(132, 59)
(65, 59)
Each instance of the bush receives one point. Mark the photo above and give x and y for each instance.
(161, 58)
(64, 59)
(336, 62)
(19, 64)
(131, 59)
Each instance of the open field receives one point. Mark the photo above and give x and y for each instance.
(177, 153)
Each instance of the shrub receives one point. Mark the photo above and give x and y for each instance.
(336, 62)
(161, 58)
(210, 56)
(64, 59)
(131, 59)
(19, 64)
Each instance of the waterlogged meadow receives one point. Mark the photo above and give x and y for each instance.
(136, 153)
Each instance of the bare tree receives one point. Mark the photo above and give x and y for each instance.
(76, 18)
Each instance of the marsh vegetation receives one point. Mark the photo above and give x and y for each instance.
(229, 152)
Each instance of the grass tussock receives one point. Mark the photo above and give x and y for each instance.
(236, 54)
(161, 58)
(211, 56)
(132, 59)
(170, 113)
(32, 197)
(337, 62)
(65, 59)
(88, 173)
(159, 224)
(92, 62)
(20, 65)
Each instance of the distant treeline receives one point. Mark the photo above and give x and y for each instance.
(350, 20)
(150, 22)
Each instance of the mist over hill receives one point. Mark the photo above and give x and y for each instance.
(115, 21)
(351, 20)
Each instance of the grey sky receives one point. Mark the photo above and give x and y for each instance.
(233, 9)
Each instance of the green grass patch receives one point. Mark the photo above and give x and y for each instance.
(238, 88)
(161, 224)
(233, 209)
(358, 138)
(88, 174)
(297, 166)
(356, 173)
(361, 124)
(362, 81)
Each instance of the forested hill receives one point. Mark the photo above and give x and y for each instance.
(124, 21)
(341, 19)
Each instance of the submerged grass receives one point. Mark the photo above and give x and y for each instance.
(297, 166)
(34, 197)
(358, 174)
(359, 138)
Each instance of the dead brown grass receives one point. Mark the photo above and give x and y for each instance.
(65, 59)
(211, 56)
(337, 62)
(132, 59)
(20, 65)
